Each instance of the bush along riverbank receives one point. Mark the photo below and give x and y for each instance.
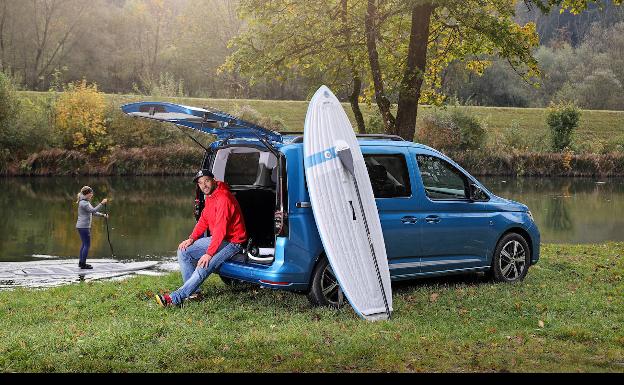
(541, 164)
(184, 160)
(566, 316)
(166, 160)
(82, 131)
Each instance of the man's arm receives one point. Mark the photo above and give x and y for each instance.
(198, 230)
(200, 227)
(222, 218)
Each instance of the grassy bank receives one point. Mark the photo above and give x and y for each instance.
(180, 159)
(566, 316)
(517, 142)
(172, 159)
(594, 125)
(542, 164)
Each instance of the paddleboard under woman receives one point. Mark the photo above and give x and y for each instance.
(83, 225)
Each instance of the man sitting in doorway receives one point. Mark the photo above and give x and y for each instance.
(199, 257)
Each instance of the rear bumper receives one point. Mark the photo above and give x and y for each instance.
(279, 275)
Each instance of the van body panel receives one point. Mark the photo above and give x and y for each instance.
(424, 236)
(463, 240)
(398, 217)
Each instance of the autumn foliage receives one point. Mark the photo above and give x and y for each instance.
(79, 115)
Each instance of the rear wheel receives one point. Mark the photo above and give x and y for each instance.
(512, 258)
(325, 290)
(234, 283)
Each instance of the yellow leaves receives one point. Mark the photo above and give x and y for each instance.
(79, 139)
(79, 115)
(478, 66)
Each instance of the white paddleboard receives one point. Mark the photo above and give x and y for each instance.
(67, 268)
(344, 207)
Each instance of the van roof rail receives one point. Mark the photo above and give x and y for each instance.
(396, 138)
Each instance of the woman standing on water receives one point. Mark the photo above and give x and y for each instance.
(85, 213)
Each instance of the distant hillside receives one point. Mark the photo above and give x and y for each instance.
(572, 28)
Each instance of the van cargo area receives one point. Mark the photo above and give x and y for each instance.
(252, 174)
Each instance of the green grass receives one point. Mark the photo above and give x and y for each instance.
(566, 316)
(594, 125)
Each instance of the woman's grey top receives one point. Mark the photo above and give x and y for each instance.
(85, 213)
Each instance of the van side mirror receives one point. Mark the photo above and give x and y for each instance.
(477, 194)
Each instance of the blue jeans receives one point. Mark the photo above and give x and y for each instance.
(193, 276)
(85, 236)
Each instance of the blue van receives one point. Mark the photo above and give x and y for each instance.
(436, 218)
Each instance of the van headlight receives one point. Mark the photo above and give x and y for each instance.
(530, 215)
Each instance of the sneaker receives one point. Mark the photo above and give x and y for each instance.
(85, 266)
(164, 300)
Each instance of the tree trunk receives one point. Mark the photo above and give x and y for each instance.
(383, 103)
(409, 92)
(2, 43)
(354, 99)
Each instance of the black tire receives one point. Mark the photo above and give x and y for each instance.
(324, 287)
(511, 260)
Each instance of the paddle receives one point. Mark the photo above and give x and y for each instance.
(346, 158)
(108, 231)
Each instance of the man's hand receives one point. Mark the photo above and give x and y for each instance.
(204, 261)
(186, 243)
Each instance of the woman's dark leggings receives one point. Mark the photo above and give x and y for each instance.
(85, 236)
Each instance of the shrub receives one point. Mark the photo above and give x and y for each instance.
(166, 85)
(563, 119)
(128, 132)
(79, 117)
(55, 161)
(452, 129)
(9, 135)
(374, 124)
(171, 159)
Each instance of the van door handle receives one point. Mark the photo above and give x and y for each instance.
(433, 219)
(409, 220)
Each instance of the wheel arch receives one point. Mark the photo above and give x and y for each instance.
(317, 260)
(520, 231)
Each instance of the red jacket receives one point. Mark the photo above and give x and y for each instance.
(222, 216)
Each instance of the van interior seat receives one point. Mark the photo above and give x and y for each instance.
(382, 186)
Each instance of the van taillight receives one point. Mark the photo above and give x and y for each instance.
(281, 224)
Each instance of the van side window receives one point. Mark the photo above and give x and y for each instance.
(242, 169)
(389, 175)
(440, 179)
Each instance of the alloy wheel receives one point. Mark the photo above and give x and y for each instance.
(330, 288)
(512, 260)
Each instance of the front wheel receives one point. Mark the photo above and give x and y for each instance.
(325, 290)
(512, 258)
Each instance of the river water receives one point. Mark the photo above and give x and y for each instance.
(150, 216)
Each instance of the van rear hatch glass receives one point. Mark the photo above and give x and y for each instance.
(209, 121)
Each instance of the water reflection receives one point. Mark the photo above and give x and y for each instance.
(558, 215)
(569, 210)
(151, 215)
